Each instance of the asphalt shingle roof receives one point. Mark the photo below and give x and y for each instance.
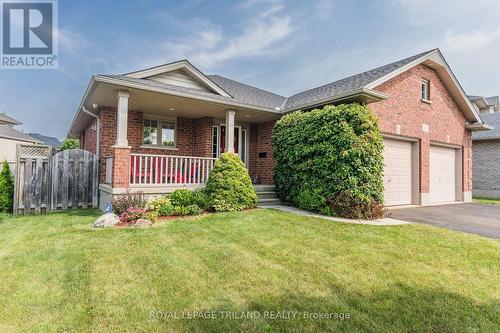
(253, 96)
(348, 84)
(10, 132)
(247, 93)
(48, 140)
(492, 119)
(6, 119)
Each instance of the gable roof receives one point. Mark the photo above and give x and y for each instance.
(351, 83)
(9, 132)
(493, 120)
(486, 101)
(183, 65)
(4, 119)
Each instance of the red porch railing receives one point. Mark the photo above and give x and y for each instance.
(169, 170)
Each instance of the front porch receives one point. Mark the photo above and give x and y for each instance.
(157, 152)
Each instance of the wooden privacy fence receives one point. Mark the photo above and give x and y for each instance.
(47, 182)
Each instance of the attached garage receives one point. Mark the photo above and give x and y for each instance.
(444, 174)
(398, 172)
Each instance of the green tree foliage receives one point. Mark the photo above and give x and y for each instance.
(6, 189)
(70, 143)
(323, 153)
(229, 186)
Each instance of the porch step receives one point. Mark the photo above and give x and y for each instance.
(266, 195)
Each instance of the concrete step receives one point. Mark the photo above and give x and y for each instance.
(268, 202)
(266, 195)
(264, 188)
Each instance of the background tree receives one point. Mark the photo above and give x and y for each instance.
(70, 143)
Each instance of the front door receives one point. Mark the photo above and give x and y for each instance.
(239, 142)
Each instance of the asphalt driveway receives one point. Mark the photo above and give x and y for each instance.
(479, 219)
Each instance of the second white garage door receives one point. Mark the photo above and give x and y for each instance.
(442, 174)
(397, 172)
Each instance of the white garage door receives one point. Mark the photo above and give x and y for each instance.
(442, 174)
(397, 172)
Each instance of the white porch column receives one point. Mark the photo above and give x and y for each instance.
(122, 119)
(230, 131)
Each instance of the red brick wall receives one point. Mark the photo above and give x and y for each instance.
(88, 139)
(405, 108)
(203, 137)
(260, 142)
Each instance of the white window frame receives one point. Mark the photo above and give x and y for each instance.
(425, 90)
(159, 121)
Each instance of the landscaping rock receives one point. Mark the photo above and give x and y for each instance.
(106, 221)
(143, 223)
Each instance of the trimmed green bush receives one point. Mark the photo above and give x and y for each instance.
(162, 206)
(323, 152)
(6, 189)
(229, 186)
(70, 143)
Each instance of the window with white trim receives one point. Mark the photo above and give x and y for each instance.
(426, 90)
(158, 132)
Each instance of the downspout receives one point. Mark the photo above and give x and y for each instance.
(98, 131)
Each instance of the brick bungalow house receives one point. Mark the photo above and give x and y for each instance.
(162, 128)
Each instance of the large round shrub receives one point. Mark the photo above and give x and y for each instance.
(323, 153)
(229, 186)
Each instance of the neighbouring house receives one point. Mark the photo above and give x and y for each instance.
(162, 128)
(485, 104)
(486, 158)
(10, 138)
(47, 140)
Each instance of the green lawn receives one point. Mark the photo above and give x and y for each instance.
(487, 201)
(57, 274)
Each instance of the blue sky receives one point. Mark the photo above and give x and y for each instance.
(282, 46)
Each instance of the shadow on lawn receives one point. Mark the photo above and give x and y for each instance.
(399, 309)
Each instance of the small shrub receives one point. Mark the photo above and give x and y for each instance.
(186, 210)
(132, 214)
(162, 206)
(229, 186)
(202, 200)
(182, 197)
(6, 189)
(122, 202)
(347, 205)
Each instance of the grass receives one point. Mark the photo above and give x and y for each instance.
(57, 274)
(487, 201)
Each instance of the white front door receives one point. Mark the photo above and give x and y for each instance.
(397, 172)
(442, 167)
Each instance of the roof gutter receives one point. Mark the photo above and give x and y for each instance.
(362, 92)
(479, 127)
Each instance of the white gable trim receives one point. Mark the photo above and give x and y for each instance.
(182, 64)
(436, 57)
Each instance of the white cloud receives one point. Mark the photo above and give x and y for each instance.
(211, 45)
(472, 41)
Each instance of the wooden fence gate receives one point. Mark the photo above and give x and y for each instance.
(47, 182)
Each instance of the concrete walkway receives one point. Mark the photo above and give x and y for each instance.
(293, 210)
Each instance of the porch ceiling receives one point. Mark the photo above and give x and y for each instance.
(105, 94)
